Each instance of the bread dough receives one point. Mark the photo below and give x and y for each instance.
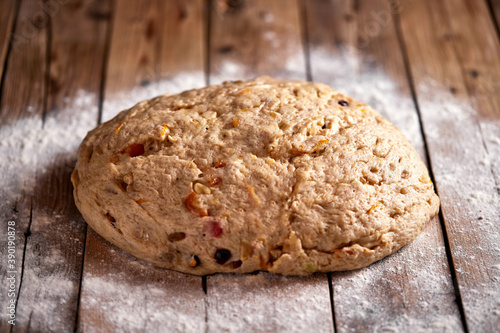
(285, 176)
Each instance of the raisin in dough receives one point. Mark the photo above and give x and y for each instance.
(288, 177)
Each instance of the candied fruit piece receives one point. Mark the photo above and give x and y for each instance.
(372, 208)
(214, 228)
(214, 181)
(119, 127)
(192, 205)
(243, 92)
(134, 150)
(176, 236)
(195, 261)
(218, 164)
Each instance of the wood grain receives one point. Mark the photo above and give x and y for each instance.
(182, 48)
(22, 106)
(162, 51)
(354, 47)
(48, 299)
(119, 292)
(258, 37)
(453, 58)
(247, 39)
(8, 12)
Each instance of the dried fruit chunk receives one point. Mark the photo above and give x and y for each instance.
(194, 262)
(243, 92)
(119, 127)
(214, 228)
(176, 236)
(221, 256)
(237, 264)
(343, 103)
(192, 204)
(164, 131)
(134, 150)
(214, 181)
(218, 164)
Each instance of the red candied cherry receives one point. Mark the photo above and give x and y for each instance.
(214, 228)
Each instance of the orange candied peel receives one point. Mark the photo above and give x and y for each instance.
(243, 92)
(119, 127)
(314, 149)
(372, 208)
(219, 164)
(194, 262)
(164, 130)
(214, 181)
(254, 195)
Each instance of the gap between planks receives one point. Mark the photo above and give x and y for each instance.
(454, 61)
(146, 59)
(249, 39)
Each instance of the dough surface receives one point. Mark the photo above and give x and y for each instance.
(285, 176)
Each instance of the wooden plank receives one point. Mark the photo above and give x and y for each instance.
(354, 48)
(8, 11)
(182, 67)
(22, 105)
(453, 57)
(140, 297)
(247, 39)
(146, 63)
(53, 259)
(251, 38)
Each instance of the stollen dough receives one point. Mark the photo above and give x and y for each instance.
(285, 176)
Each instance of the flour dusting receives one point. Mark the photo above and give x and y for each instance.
(129, 307)
(465, 164)
(124, 100)
(266, 302)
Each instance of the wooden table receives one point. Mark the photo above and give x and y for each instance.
(431, 67)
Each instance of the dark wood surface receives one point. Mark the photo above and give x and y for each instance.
(431, 67)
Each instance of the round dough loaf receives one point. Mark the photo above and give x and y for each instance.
(289, 177)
